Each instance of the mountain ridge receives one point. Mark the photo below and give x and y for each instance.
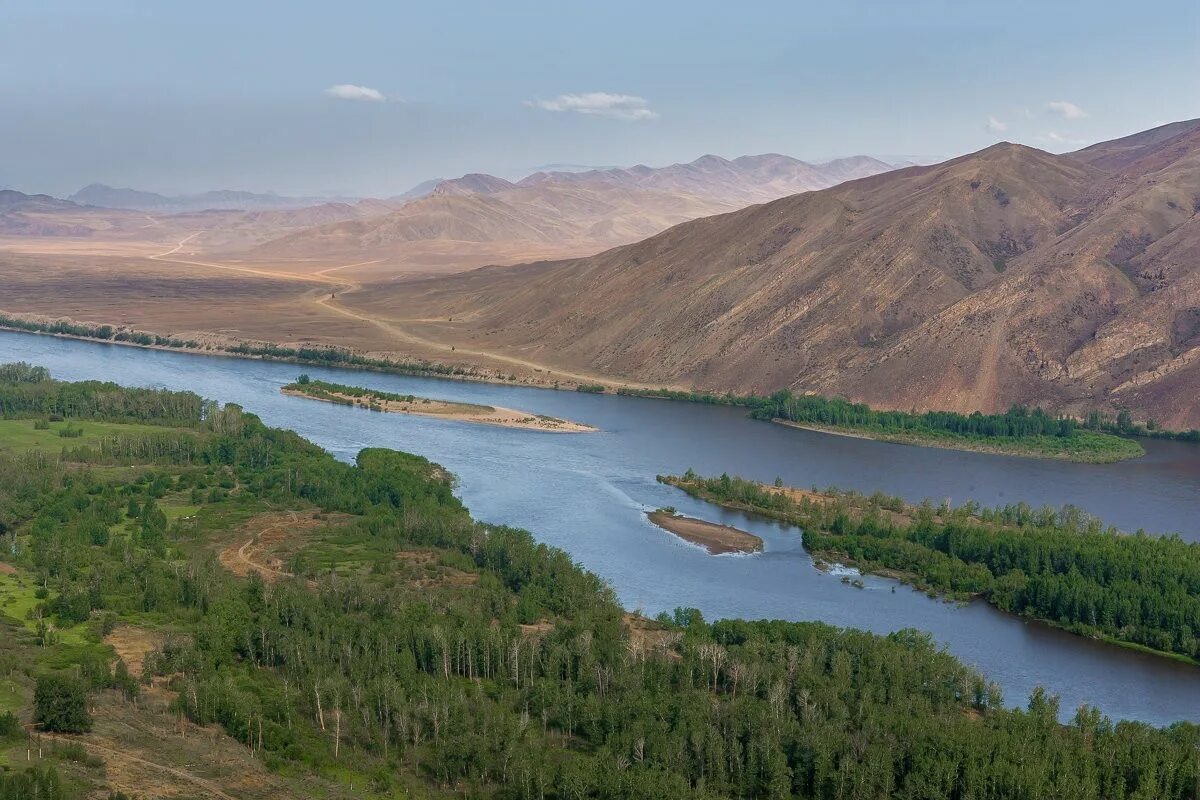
(1006, 275)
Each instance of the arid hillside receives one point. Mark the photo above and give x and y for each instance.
(489, 220)
(1009, 275)
(741, 181)
(484, 219)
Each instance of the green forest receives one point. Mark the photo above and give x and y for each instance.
(1057, 565)
(1098, 437)
(348, 630)
(1019, 430)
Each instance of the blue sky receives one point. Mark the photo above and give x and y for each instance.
(176, 96)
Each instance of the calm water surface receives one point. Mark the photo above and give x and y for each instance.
(587, 493)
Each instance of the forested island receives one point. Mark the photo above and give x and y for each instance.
(1059, 566)
(191, 601)
(395, 403)
(1019, 431)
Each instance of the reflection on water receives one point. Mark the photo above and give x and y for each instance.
(587, 493)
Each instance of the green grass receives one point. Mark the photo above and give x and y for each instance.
(18, 599)
(1082, 446)
(349, 395)
(174, 510)
(20, 436)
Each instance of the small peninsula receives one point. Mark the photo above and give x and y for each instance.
(391, 402)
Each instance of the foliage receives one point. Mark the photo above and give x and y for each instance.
(60, 704)
(1035, 427)
(496, 667)
(346, 395)
(1020, 429)
(1062, 566)
(35, 783)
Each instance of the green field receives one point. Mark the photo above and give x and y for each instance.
(20, 435)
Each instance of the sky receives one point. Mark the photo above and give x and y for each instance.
(369, 97)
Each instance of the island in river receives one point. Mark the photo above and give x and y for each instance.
(717, 539)
(394, 403)
(1060, 566)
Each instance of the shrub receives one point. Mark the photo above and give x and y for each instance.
(60, 704)
(10, 726)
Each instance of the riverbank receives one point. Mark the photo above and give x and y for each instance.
(1085, 447)
(1099, 583)
(391, 403)
(225, 346)
(717, 539)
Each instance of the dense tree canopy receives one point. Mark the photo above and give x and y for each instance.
(1062, 566)
(402, 638)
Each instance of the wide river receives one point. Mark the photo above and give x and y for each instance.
(586, 493)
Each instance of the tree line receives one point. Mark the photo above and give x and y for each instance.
(520, 678)
(1058, 565)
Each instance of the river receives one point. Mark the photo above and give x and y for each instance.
(586, 493)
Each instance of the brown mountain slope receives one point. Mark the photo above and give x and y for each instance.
(1010, 275)
(553, 218)
(486, 219)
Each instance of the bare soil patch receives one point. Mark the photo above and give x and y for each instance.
(260, 539)
(150, 752)
(717, 539)
(647, 637)
(132, 644)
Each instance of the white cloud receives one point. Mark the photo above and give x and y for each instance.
(995, 126)
(348, 91)
(600, 104)
(1066, 110)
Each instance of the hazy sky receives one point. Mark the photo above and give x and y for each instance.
(370, 97)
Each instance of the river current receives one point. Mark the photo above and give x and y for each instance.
(587, 493)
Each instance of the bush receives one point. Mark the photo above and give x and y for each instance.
(60, 704)
(70, 431)
(10, 726)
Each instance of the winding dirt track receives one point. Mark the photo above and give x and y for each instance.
(241, 562)
(323, 277)
(287, 276)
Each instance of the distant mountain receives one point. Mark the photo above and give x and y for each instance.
(479, 214)
(569, 168)
(474, 183)
(560, 213)
(743, 180)
(101, 195)
(98, 194)
(12, 200)
(1010, 275)
(39, 215)
(420, 190)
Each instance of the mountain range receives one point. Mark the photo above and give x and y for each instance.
(743, 180)
(1008, 275)
(99, 194)
(565, 213)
